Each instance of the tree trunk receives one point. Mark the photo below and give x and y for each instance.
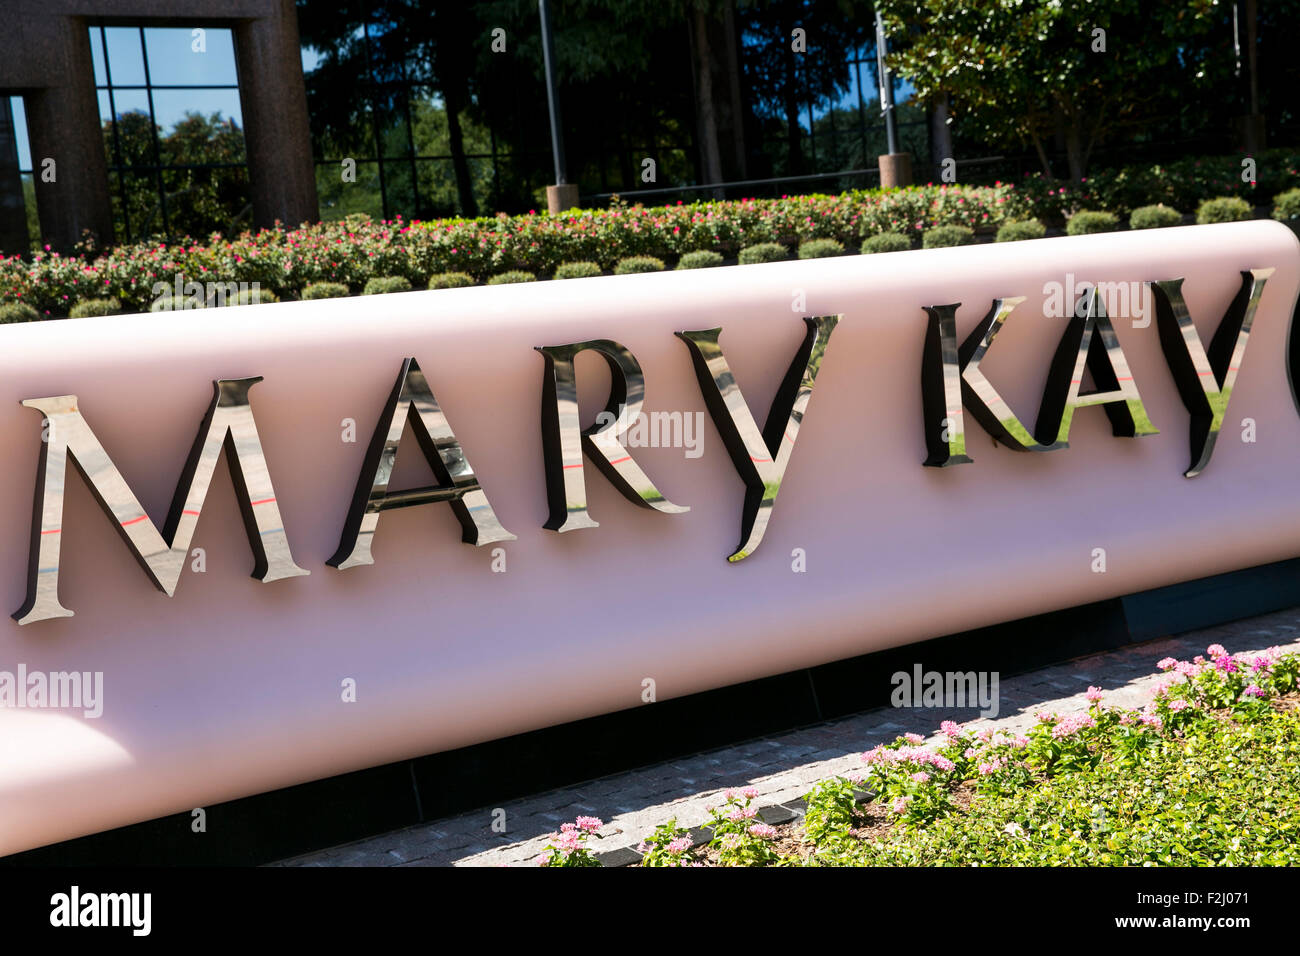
(940, 131)
(464, 184)
(794, 155)
(711, 154)
(1074, 150)
(732, 60)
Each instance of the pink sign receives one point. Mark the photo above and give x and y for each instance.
(234, 686)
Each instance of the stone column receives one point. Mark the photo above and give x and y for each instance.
(277, 132)
(63, 125)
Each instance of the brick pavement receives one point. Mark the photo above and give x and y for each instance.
(784, 766)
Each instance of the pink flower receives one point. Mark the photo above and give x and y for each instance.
(921, 777)
(763, 831)
(1177, 705)
(1252, 691)
(1069, 725)
(1094, 694)
(749, 793)
(1216, 651)
(914, 738)
(590, 824)
(742, 813)
(1166, 663)
(680, 845)
(900, 804)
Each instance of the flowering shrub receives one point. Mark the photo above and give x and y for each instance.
(740, 838)
(352, 251)
(570, 844)
(1203, 775)
(830, 807)
(911, 781)
(669, 845)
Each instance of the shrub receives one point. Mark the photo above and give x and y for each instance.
(253, 297)
(17, 312)
(91, 307)
(1224, 209)
(763, 252)
(514, 275)
(1286, 208)
(324, 290)
(569, 846)
(577, 270)
(1087, 223)
(942, 236)
(1158, 216)
(700, 259)
(167, 303)
(450, 280)
(886, 242)
(638, 264)
(381, 285)
(1024, 229)
(820, 248)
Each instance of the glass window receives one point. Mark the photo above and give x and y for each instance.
(173, 130)
(125, 56)
(188, 57)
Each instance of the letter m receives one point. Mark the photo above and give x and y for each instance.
(229, 423)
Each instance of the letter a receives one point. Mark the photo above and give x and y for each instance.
(459, 486)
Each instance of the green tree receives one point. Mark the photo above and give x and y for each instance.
(1022, 71)
(782, 79)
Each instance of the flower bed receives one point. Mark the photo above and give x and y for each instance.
(1204, 775)
(352, 252)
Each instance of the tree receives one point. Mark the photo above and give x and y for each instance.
(373, 52)
(783, 79)
(1022, 71)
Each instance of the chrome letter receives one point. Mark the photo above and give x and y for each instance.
(229, 421)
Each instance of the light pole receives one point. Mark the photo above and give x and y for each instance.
(895, 167)
(562, 195)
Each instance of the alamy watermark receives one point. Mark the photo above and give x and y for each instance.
(183, 294)
(947, 689)
(55, 690)
(1122, 300)
(660, 430)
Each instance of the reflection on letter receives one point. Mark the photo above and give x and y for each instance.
(945, 426)
(458, 485)
(760, 457)
(229, 422)
(1205, 383)
(563, 440)
(977, 392)
(1115, 389)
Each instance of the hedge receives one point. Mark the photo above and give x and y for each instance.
(285, 262)
(354, 251)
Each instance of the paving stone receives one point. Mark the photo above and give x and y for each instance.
(784, 766)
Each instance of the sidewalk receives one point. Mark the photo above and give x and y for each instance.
(781, 767)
